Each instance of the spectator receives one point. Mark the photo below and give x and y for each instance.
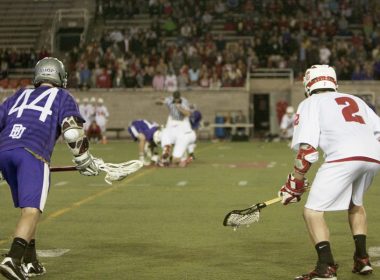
(118, 80)
(194, 76)
(104, 80)
(215, 82)
(171, 83)
(158, 81)
(84, 76)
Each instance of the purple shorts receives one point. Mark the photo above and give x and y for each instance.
(27, 176)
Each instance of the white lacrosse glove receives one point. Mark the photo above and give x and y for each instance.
(292, 190)
(1, 176)
(86, 164)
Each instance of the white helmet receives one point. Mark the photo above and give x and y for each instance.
(289, 110)
(157, 137)
(100, 100)
(92, 99)
(319, 77)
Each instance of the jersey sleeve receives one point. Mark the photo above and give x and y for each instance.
(306, 125)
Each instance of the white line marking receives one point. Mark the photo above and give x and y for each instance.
(271, 164)
(182, 183)
(62, 183)
(374, 251)
(232, 166)
(243, 183)
(52, 253)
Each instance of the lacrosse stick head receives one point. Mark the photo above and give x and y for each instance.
(237, 218)
(118, 171)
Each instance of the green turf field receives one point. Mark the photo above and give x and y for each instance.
(166, 223)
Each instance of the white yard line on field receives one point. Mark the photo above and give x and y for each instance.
(52, 253)
(242, 183)
(60, 183)
(374, 251)
(182, 183)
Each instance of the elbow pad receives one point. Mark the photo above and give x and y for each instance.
(305, 157)
(73, 134)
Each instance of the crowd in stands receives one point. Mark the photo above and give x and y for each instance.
(180, 47)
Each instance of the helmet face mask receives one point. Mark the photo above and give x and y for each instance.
(50, 70)
(319, 77)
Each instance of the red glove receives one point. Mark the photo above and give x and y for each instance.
(292, 190)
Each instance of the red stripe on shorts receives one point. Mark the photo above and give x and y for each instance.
(355, 159)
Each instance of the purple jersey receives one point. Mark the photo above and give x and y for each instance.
(195, 119)
(143, 127)
(32, 118)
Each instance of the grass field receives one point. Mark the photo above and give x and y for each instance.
(166, 223)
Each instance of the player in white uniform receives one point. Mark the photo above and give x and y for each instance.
(347, 131)
(178, 139)
(286, 125)
(178, 130)
(101, 116)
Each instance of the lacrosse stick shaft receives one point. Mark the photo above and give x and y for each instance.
(272, 201)
(63, 168)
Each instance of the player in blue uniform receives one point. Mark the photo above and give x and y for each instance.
(30, 122)
(195, 122)
(148, 136)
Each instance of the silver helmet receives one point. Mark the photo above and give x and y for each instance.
(50, 70)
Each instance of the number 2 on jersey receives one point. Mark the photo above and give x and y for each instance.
(350, 109)
(24, 97)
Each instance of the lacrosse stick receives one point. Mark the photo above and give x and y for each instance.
(237, 218)
(114, 171)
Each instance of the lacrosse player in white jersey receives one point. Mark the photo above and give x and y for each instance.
(347, 131)
(287, 123)
(101, 117)
(175, 141)
(178, 130)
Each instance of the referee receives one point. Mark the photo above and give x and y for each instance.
(179, 109)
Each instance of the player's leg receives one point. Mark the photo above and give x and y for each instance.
(331, 191)
(358, 219)
(181, 145)
(30, 186)
(168, 137)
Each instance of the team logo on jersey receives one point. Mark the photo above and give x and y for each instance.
(17, 131)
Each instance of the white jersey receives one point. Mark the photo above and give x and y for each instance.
(287, 124)
(342, 125)
(101, 116)
(87, 112)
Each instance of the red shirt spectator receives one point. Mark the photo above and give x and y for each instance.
(104, 80)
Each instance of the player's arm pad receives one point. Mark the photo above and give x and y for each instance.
(73, 134)
(306, 156)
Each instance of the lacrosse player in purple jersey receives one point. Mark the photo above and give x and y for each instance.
(148, 135)
(30, 122)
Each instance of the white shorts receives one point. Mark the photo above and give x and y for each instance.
(337, 184)
(182, 142)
